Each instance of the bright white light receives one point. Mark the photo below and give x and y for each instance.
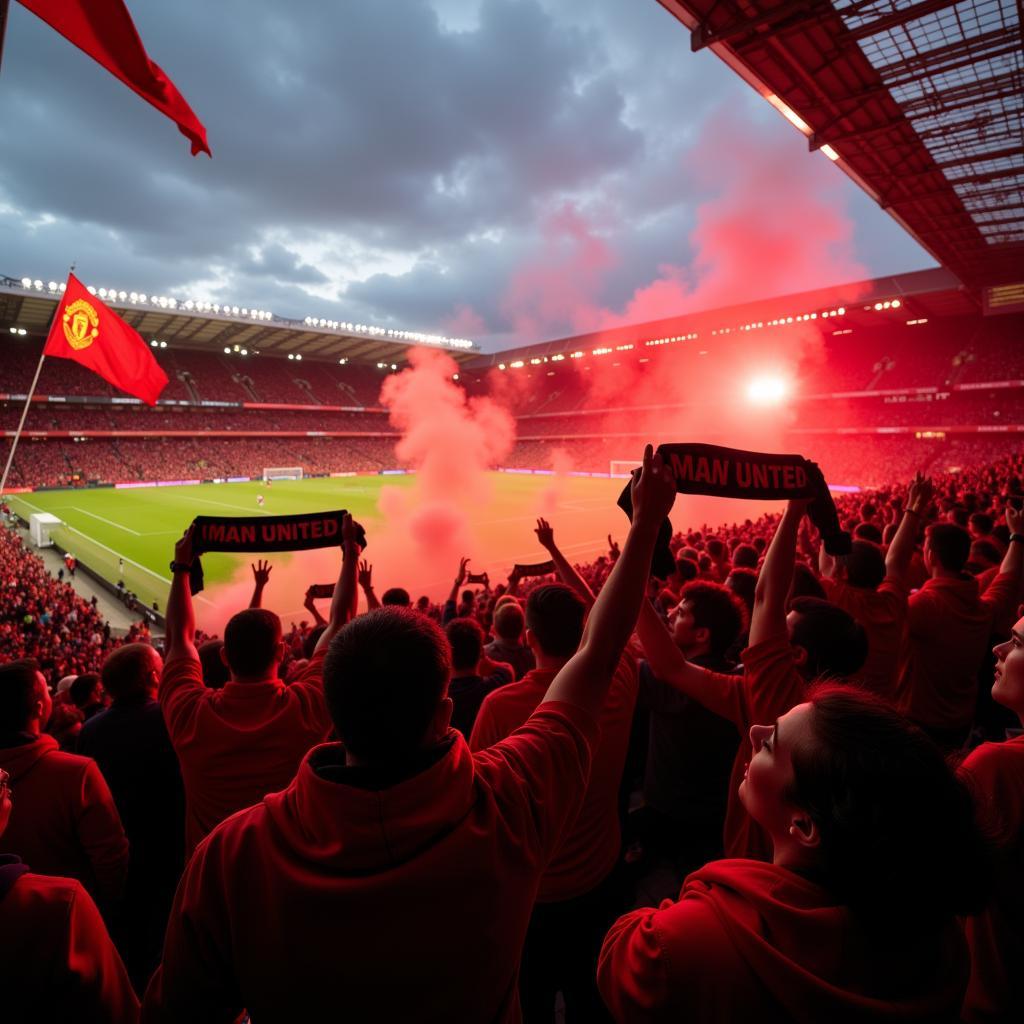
(227, 350)
(790, 115)
(830, 152)
(153, 343)
(767, 390)
(896, 303)
(298, 356)
(26, 282)
(52, 285)
(163, 344)
(22, 332)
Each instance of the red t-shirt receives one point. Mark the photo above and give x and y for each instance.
(405, 902)
(769, 687)
(950, 625)
(590, 848)
(996, 937)
(58, 963)
(241, 742)
(883, 614)
(748, 941)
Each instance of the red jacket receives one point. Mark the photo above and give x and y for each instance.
(996, 937)
(57, 962)
(64, 821)
(349, 897)
(754, 942)
(241, 742)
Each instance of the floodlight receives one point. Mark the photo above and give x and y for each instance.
(767, 390)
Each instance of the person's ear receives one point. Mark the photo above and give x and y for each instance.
(223, 652)
(530, 639)
(799, 654)
(443, 716)
(702, 635)
(282, 651)
(803, 830)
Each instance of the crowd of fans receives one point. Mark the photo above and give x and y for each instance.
(776, 782)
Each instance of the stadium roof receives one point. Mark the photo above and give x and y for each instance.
(919, 101)
(917, 296)
(30, 307)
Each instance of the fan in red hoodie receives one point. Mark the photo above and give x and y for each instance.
(875, 849)
(58, 962)
(996, 773)
(65, 821)
(393, 880)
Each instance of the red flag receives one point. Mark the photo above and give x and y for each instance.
(104, 30)
(86, 331)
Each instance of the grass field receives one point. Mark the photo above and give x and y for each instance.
(142, 524)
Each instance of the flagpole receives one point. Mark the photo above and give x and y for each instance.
(21, 424)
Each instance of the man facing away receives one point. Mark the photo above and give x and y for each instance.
(395, 876)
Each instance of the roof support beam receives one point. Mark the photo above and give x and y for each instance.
(897, 18)
(703, 35)
(995, 154)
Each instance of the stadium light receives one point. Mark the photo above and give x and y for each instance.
(790, 115)
(830, 152)
(767, 390)
(26, 282)
(227, 350)
(163, 344)
(298, 356)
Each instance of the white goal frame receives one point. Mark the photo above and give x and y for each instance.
(282, 473)
(622, 467)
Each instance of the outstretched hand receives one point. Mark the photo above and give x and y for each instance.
(463, 572)
(920, 494)
(350, 531)
(545, 534)
(1015, 519)
(652, 489)
(261, 572)
(365, 577)
(183, 553)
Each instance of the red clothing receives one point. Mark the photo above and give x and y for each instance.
(996, 937)
(64, 821)
(769, 687)
(590, 848)
(754, 942)
(58, 963)
(403, 902)
(950, 625)
(883, 614)
(241, 742)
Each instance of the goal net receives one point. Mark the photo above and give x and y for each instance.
(282, 473)
(622, 467)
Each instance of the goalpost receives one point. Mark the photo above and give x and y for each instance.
(282, 473)
(622, 467)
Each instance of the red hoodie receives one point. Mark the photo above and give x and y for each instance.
(749, 941)
(345, 899)
(58, 963)
(64, 821)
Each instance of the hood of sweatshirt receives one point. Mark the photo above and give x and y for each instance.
(353, 822)
(818, 961)
(21, 759)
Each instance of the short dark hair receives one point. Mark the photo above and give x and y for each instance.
(836, 645)
(865, 565)
(311, 639)
(716, 548)
(950, 545)
(83, 688)
(899, 837)
(397, 596)
(805, 583)
(554, 614)
(251, 640)
(985, 550)
(745, 556)
(743, 583)
(686, 568)
(467, 642)
(17, 694)
(718, 610)
(868, 531)
(126, 671)
(215, 672)
(509, 620)
(982, 522)
(384, 674)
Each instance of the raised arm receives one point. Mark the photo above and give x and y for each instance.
(366, 582)
(566, 572)
(180, 624)
(345, 589)
(585, 678)
(310, 605)
(669, 665)
(1013, 561)
(261, 575)
(769, 617)
(901, 550)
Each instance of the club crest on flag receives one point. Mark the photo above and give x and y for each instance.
(81, 324)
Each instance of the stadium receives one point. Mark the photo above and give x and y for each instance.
(898, 387)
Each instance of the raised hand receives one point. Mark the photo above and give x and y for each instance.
(183, 553)
(261, 572)
(365, 577)
(545, 534)
(653, 490)
(1015, 519)
(920, 494)
(463, 572)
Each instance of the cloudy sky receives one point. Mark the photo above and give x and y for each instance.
(506, 170)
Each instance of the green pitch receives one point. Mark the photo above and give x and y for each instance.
(141, 525)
